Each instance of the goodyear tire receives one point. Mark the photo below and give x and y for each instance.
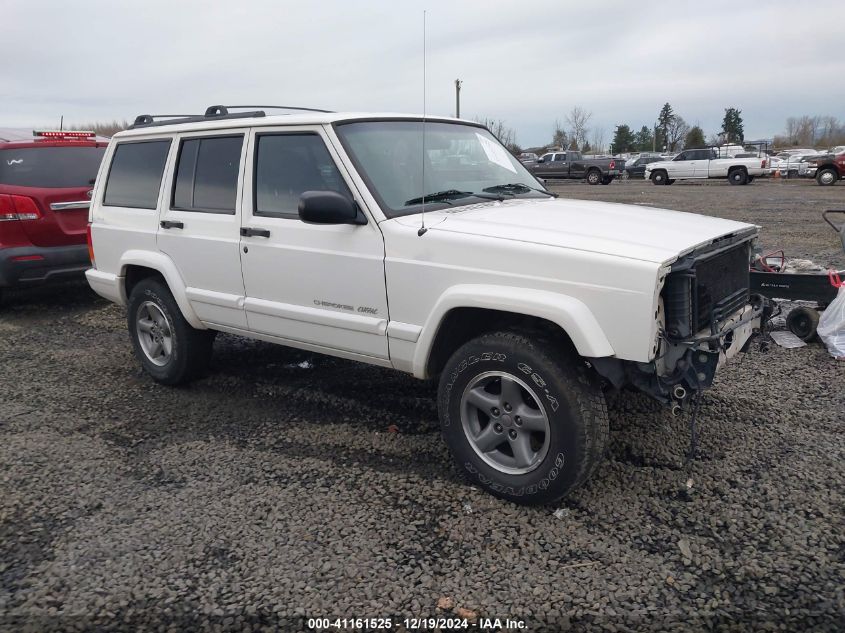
(522, 416)
(169, 349)
(659, 177)
(593, 177)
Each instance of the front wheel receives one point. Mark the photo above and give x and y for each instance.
(522, 418)
(659, 178)
(827, 177)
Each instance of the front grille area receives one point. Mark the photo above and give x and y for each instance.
(702, 296)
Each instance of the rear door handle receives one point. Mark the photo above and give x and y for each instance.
(247, 231)
(172, 224)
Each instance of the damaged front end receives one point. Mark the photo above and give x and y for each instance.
(706, 315)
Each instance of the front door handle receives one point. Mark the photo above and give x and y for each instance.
(172, 224)
(247, 231)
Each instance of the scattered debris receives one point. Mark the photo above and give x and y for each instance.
(392, 429)
(445, 602)
(561, 513)
(467, 508)
(787, 339)
(466, 614)
(684, 546)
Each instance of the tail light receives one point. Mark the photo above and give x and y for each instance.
(763, 164)
(13, 208)
(90, 244)
(612, 164)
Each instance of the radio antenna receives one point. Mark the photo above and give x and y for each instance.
(422, 230)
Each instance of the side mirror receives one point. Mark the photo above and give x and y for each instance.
(541, 160)
(329, 207)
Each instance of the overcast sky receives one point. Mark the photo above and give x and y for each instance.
(526, 63)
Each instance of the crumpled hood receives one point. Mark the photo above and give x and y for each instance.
(624, 230)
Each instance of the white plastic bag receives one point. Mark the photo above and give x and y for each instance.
(831, 327)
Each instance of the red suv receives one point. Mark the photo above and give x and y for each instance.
(45, 188)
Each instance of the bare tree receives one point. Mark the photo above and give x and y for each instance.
(577, 119)
(507, 135)
(559, 135)
(598, 140)
(676, 132)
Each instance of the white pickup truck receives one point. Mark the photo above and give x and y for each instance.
(705, 163)
(425, 246)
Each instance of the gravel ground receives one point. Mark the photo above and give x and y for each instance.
(286, 484)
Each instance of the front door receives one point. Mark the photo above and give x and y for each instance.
(682, 166)
(199, 223)
(317, 286)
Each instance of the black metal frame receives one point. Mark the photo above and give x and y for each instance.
(212, 113)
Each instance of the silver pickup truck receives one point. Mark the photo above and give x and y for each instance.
(705, 163)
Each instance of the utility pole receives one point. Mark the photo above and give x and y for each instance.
(458, 83)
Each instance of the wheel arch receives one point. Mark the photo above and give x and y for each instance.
(464, 312)
(138, 265)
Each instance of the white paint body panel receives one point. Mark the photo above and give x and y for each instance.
(379, 292)
(702, 169)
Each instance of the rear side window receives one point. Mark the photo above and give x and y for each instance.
(207, 174)
(287, 165)
(50, 167)
(135, 174)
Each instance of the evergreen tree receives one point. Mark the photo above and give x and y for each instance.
(664, 121)
(623, 139)
(694, 138)
(644, 139)
(732, 126)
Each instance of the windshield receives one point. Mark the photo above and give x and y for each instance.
(462, 163)
(50, 167)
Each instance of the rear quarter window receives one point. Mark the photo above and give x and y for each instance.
(135, 174)
(50, 167)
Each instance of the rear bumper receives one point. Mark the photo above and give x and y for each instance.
(28, 265)
(106, 285)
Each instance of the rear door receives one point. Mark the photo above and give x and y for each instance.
(199, 227)
(316, 286)
(58, 177)
(577, 165)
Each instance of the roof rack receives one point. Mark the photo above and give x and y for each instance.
(215, 112)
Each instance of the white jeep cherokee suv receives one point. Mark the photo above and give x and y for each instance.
(308, 230)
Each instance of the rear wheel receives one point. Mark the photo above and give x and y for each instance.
(802, 322)
(738, 177)
(607, 180)
(170, 350)
(659, 177)
(827, 177)
(522, 418)
(594, 177)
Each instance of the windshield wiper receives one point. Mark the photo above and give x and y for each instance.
(445, 196)
(513, 187)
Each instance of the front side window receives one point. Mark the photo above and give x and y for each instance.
(455, 164)
(682, 156)
(286, 165)
(207, 174)
(135, 174)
